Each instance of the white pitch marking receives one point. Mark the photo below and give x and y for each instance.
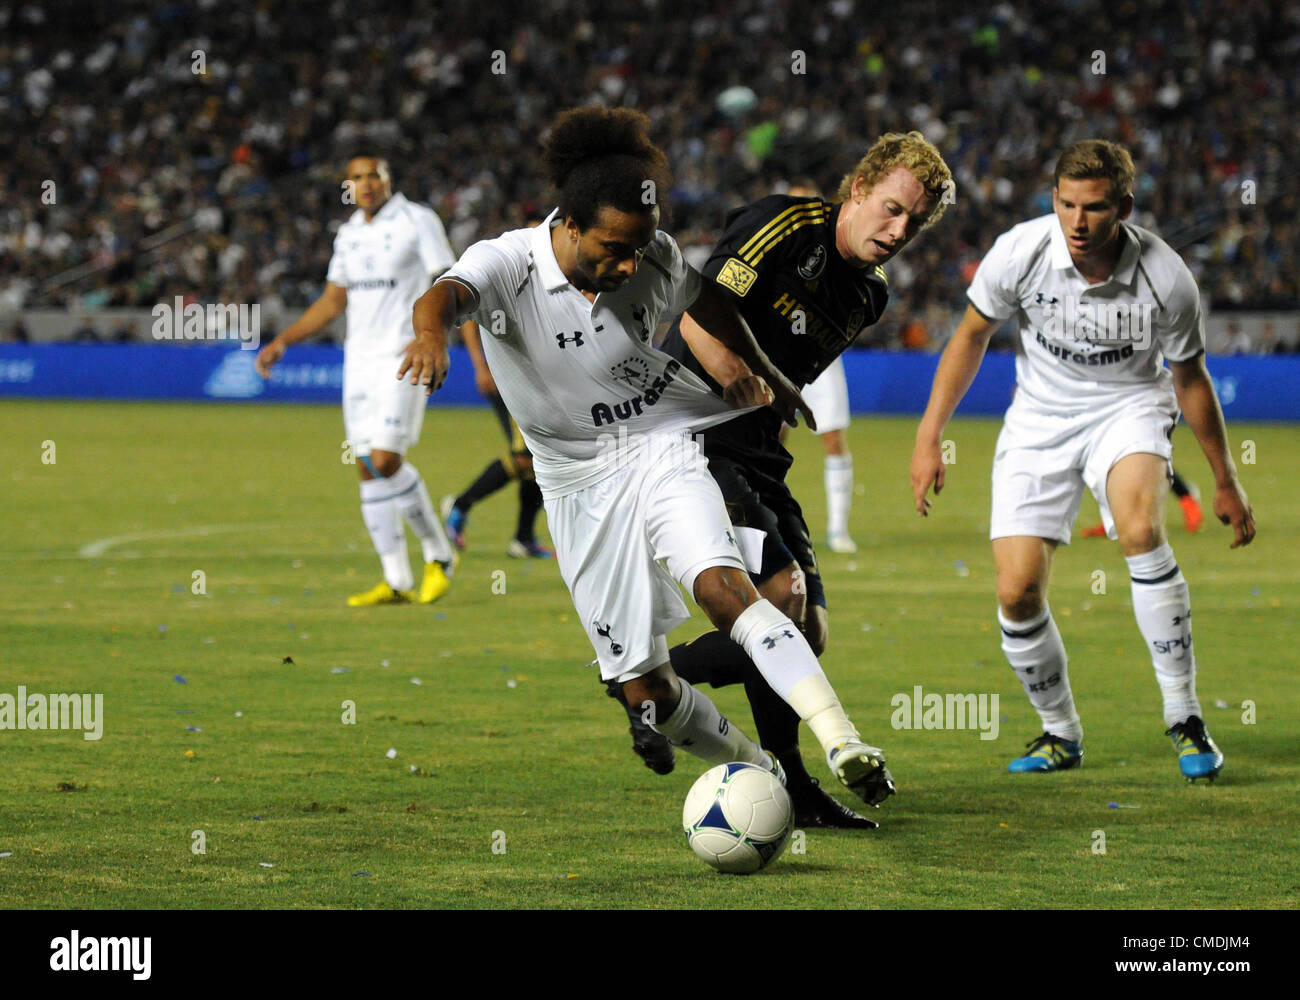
(95, 549)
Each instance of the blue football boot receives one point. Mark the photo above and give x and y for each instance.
(1198, 757)
(1048, 753)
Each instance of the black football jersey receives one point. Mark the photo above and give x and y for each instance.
(803, 301)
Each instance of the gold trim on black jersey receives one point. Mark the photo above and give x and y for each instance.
(793, 218)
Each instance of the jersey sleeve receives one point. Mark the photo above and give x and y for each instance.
(337, 273)
(993, 289)
(683, 281)
(492, 274)
(757, 241)
(435, 251)
(1181, 330)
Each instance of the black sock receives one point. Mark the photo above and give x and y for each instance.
(1180, 486)
(777, 725)
(795, 772)
(711, 659)
(530, 503)
(489, 481)
(714, 659)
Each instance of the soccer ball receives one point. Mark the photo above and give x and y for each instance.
(738, 818)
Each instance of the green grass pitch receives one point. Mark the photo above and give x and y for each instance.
(513, 783)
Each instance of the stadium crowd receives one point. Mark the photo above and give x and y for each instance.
(196, 148)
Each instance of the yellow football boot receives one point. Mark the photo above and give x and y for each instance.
(435, 583)
(379, 594)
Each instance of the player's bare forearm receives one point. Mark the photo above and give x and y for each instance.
(724, 344)
(472, 337)
(1201, 410)
(1200, 406)
(426, 360)
(315, 318)
(720, 361)
(958, 365)
(960, 361)
(469, 333)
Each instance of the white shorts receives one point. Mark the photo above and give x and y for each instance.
(379, 412)
(625, 543)
(828, 395)
(1044, 460)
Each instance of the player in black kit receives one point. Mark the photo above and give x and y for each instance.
(807, 277)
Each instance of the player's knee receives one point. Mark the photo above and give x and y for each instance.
(385, 463)
(1020, 599)
(723, 593)
(1136, 539)
(653, 690)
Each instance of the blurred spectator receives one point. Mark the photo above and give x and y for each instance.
(85, 333)
(1234, 340)
(143, 171)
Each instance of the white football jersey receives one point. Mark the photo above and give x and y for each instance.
(581, 378)
(1084, 345)
(385, 265)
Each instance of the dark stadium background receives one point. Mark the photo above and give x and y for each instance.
(224, 185)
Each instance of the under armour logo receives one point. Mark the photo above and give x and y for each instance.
(575, 340)
(770, 640)
(1041, 298)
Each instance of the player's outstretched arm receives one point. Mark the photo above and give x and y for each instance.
(315, 318)
(483, 379)
(1201, 410)
(426, 359)
(957, 367)
(724, 344)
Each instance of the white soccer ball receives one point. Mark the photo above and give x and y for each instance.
(738, 818)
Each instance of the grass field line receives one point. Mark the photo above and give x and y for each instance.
(97, 548)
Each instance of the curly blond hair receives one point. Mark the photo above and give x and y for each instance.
(913, 151)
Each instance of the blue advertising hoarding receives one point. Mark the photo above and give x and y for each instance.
(1250, 388)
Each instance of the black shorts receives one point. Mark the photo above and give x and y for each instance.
(752, 481)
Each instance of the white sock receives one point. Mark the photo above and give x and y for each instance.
(839, 493)
(698, 727)
(413, 501)
(1163, 609)
(1037, 655)
(384, 522)
(788, 664)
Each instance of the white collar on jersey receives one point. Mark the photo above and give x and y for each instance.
(548, 268)
(1125, 268)
(394, 204)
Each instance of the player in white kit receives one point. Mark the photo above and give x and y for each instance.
(828, 396)
(570, 309)
(1100, 303)
(384, 257)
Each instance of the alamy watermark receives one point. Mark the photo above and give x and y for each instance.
(216, 321)
(1119, 323)
(83, 712)
(919, 710)
(75, 953)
